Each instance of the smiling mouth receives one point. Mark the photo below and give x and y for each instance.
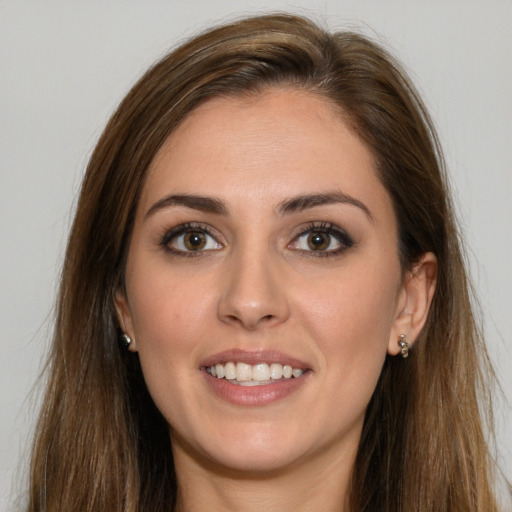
(243, 374)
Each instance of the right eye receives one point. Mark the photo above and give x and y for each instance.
(189, 239)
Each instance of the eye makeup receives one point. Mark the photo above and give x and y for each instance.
(189, 239)
(322, 239)
(316, 239)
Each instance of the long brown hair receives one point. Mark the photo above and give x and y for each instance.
(101, 443)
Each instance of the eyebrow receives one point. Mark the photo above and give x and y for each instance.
(287, 207)
(201, 203)
(304, 202)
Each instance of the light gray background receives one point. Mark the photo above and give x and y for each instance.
(64, 66)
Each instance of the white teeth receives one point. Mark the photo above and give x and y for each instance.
(219, 371)
(276, 371)
(260, 372)
(230, 371)
(249, 383)
(254, 375)
(243, 371)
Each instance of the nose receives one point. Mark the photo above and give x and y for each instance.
(254, 293)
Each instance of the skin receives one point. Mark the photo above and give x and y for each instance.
(258, 285)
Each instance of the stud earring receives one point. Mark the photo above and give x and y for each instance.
(404, 346)
(126, 340)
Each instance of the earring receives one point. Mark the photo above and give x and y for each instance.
(125, 340)
(404, 346)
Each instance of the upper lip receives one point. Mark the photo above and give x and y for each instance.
(253, 357)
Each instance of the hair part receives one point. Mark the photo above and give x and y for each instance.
(102, 444)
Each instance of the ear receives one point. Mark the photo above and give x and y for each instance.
(414, 300)
(124, 317)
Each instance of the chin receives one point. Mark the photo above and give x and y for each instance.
(255, 449)
(255, 463)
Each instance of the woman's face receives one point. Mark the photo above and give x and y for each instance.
(263, 240)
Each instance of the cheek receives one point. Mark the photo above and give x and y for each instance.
(169, 315)
(351, 317)
(169, 325)
(352, 339)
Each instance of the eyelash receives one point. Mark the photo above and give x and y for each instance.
(183, 229)
(328, 228)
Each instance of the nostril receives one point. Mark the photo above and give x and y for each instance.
(250, 322)
(251, 305)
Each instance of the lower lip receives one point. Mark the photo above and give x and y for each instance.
(254, 395)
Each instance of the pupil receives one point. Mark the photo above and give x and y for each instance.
(195, 240)
(318, 241)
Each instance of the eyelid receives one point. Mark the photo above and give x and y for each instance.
(183, 228)
(340, 234)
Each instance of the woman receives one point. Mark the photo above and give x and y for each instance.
(264, 227)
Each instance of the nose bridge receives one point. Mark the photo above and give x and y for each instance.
(253, 293)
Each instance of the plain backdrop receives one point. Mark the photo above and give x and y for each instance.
(64, 66)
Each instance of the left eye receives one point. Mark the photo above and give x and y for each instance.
(192, 241)
(321, 240)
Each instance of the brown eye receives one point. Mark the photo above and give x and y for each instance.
(324, 239)
(194, 240)
(318, 240)
(189, 239)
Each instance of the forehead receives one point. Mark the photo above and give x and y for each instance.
(261, 148)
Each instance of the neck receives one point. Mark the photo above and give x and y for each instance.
(319, 484)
